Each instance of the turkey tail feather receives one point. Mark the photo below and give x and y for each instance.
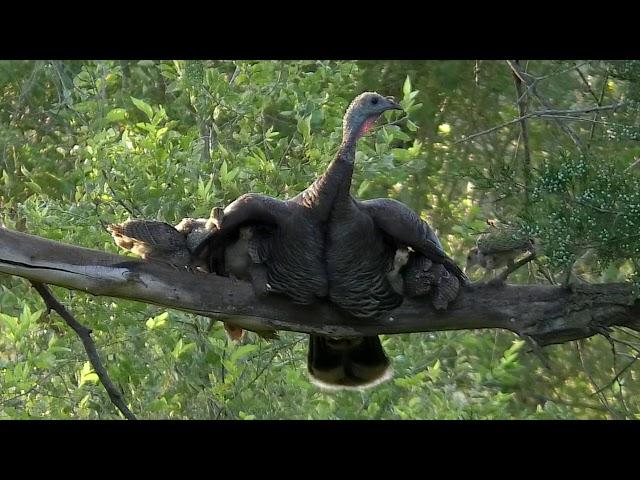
(347, 363)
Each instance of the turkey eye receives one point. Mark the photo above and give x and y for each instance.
(374, 100)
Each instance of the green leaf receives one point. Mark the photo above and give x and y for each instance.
(45, 360)
(158, 321)
(435, 371)
(406, 88)
(412, 126)
(11, 323)
(116, 115)
(143, 107)
(87, 375)
(34, 187)
(304, 127)
(400, 135)
(400, 154)
(161, 132)
(363, 187)
(224, 169)
(242, 351)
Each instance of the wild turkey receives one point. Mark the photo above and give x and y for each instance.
(327, 243)
(499, 246)
(198, 229)
(296, 260)
(362, 239)
(154, 240)
(296, 264)
(159, 241)
(414, 275)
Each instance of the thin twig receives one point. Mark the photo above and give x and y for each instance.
(542, 113)
(509, 270)
(634, 164)
(624, 342)
(30, 390)
(618, 375)
(602, 93)
(604, 331)
(85, 335)
(524, 135)
(594, 385)
(588, 85)
(559, 72)
(234, 75)
(130, 210)
(545, 273)
(531, 83)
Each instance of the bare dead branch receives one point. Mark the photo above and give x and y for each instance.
(89, 346)
(548, 314)
(531, 84)
(551, 113)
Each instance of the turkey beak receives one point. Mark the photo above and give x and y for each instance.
(393, 105)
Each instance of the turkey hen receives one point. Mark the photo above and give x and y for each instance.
(324, 243)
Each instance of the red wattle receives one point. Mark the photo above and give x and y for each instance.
(366, 126)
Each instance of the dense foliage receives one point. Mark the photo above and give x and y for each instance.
(87, 143)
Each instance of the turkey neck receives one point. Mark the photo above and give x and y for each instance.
(334, 183)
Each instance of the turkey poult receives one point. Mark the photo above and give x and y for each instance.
(243, 260)
(159, 241)
(327, 244)
(414, 275)
(499, 246)
(198, 229)
(153, 240)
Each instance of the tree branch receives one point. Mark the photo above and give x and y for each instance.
(92, 352)
(512, 268)
(522, 102)
(530, 82)
(548, 314)
(543, 114)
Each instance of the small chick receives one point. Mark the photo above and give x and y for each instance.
(499, 247)
(243, 259)
(237, 259)
(414, 275)
(152, 240)
(197, 231)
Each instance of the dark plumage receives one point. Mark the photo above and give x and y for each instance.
(295, 262)
(242, 259)
(342, 363)
(414, 275)
(326, 243)
(363, 237)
